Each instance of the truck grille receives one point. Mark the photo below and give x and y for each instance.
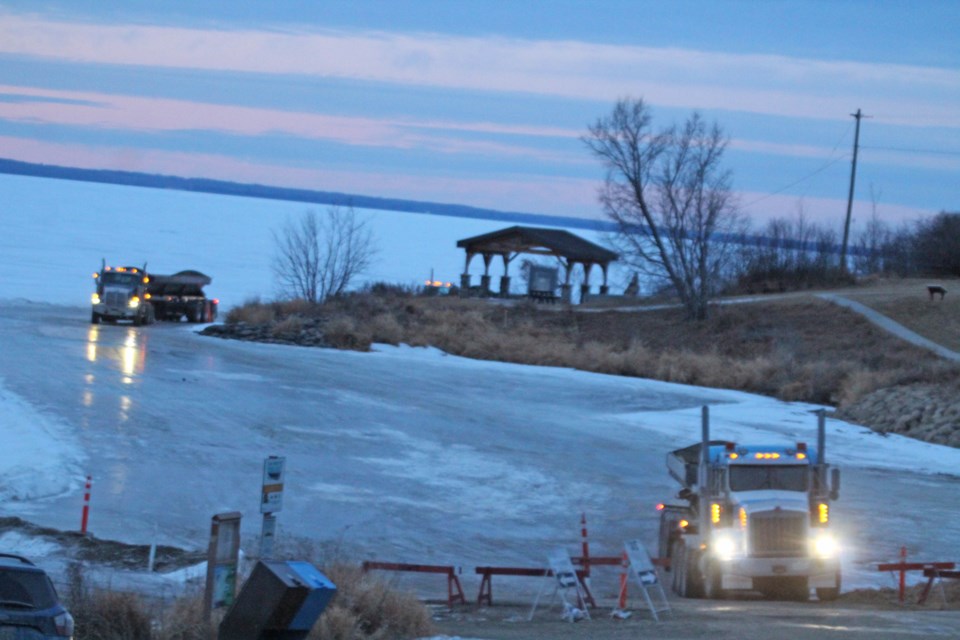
(778, 534)
(114, 299)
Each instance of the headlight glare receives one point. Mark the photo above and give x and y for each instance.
(825, 546)
(725, 546)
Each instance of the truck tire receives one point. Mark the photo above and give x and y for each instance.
(687, 581)
(712, 582)
(694, 581)
(196, 313)
(829, 594)
(95, 318)
(677, 567)
(150, 315)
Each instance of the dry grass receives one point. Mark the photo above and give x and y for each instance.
(796, 348)
(365, 608)
(908, 302)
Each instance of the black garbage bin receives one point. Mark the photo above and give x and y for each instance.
(279, 601)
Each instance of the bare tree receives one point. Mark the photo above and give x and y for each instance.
(317, 256)
(670, 199)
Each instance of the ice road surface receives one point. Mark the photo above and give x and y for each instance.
(402, 454)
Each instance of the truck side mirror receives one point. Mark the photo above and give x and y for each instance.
(834, 484)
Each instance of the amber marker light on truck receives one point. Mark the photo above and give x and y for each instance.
(743, 518)
(95, 298)
(823, 512)
(715, 512)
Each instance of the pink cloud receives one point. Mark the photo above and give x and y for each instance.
(537, 194)
(683, 78)
(87, 109)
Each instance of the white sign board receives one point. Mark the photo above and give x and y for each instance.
(271, 499)
(640, 564)
(563, 569)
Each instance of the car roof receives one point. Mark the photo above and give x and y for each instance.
(12, 560)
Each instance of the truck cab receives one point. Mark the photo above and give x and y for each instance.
(120, 294)
(756, 518)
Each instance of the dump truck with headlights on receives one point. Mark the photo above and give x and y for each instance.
(131, 293)
(752, 518)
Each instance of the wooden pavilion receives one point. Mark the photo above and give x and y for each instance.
(567, 248)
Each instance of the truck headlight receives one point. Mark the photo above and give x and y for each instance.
(725, 546)
(134, 302)
(94, 298)
(825, 546)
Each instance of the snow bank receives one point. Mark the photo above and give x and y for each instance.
(39, 456)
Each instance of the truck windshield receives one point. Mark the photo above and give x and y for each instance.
(757, 477)
(114, 277)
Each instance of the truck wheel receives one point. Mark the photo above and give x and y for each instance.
(829, 594)
(712, 582)
(94, 318)
(150, 316)
(196, 313)
(677, 568)
(694, 582)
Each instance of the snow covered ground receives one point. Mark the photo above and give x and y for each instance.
(402, 454)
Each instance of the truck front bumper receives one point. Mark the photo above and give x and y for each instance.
(740, 573)
(115, 313)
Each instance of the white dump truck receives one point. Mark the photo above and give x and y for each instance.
(753, 517)
(131, 293)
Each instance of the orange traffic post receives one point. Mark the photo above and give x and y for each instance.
(84, 518)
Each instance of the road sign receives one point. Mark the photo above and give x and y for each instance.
(271, 499)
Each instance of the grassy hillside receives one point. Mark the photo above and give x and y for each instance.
(794, 348)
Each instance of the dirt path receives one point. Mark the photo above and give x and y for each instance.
(891, 326)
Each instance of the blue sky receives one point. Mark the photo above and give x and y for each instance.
(483, 103)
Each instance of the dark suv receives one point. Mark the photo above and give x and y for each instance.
(29, 606)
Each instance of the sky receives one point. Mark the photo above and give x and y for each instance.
(484, 103)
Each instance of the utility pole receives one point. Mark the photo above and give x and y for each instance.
(853, 177)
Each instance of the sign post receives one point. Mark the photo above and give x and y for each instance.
(223, 556)
(271, 501)
(642, 569)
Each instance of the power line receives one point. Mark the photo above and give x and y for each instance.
(829, 163)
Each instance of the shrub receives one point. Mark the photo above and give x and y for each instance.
(289, 327)
(367, 608)
(105, 615)
(343, 332)
(251, 312)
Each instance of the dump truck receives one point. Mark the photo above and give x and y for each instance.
(132, 294)
(752, 517)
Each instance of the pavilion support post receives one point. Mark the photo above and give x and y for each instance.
(504, 286)
(585, 287)
(485, 284)
(465, 276)
(604, 288)
(485, 278)
(566, 288)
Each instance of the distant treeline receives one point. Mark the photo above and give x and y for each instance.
(222, 187)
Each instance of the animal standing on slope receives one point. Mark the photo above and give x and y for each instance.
(935, 289)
